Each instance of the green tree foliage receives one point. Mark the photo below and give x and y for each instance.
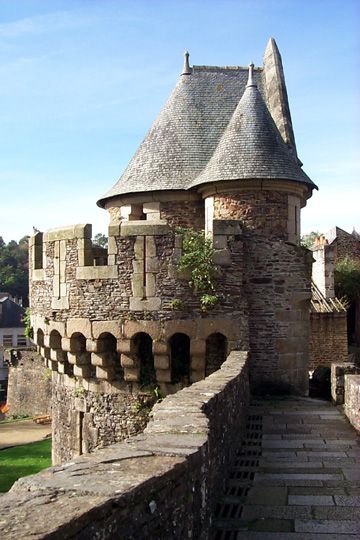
(197, 256)
(307, 240)
(14, 268)
(347, 278)
(100, 240)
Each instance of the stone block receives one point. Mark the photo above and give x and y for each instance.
(152, 264)
(127, 361)
(143, 228)
(57, 355)
(151, 207)
(137, 284)
(96, 272)
(100, 359)
(150, 285)
(65, 344)
(138, 267)
(150, 246)
(161, 362)
(198, 363)
(107, 373)
(197, 347)
(163, 376)
(160, 347)
(82, 371)
(222, 257)
(68, 233)
(114, 230)
(112, 246)
(152, 328)
(149, 304)
(139, 248)
(220, 242)
(226, 227)
(38, 275)
(80, 325)
(106, 327)
(62, 250)
(131, 374)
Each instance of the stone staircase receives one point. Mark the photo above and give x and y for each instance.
(295, 476)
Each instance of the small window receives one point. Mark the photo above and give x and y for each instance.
(38, 251)
(21, 341)
(7, 340)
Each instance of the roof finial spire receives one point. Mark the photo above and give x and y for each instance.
(186, 69)
(251, 81)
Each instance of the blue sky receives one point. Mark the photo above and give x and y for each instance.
(82, 81)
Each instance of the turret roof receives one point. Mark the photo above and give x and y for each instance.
(251, 146)
(182, 147)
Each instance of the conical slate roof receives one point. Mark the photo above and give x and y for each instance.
(251, 146)
(185, 134)
(212, 129)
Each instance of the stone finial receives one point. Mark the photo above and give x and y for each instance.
(251, 81)
(186, 69)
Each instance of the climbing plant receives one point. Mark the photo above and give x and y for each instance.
(198, 257)
(28, 331)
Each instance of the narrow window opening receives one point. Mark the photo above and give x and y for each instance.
(180, 358)
(216, 351)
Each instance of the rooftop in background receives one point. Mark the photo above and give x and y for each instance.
(11, 312)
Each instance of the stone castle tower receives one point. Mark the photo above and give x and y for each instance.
(220, 157)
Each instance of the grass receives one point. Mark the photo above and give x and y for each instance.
(23, 460)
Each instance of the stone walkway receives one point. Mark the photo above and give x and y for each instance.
(296, 476)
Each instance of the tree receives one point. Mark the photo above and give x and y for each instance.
(100, 240)
(14, 268)
(307, 240)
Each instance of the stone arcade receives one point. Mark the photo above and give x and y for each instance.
(220, 156)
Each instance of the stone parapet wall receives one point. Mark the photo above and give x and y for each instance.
(328, 339)
(352, 399)
(160, 484)
(29, 385)
(338, 375)
(92, 415)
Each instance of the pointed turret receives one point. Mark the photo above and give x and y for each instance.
(277, 99)
(251, 146)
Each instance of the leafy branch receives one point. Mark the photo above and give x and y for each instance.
(198, 257)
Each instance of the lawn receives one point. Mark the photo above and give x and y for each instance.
(23, 460)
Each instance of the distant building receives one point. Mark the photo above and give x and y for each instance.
(328, 249)
(11, 334)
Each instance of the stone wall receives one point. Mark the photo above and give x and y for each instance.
(277, 284)
(328, 339)
(352, 399)
(161, 484)
(265, 212)
(29, 385)
(92, 415)
(338, 374)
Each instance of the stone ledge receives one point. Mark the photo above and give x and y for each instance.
(97, 272)
(68, 233)
(38, 275)
(127, 490)
(143, 228)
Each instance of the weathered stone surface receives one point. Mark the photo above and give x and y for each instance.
(156, 485)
